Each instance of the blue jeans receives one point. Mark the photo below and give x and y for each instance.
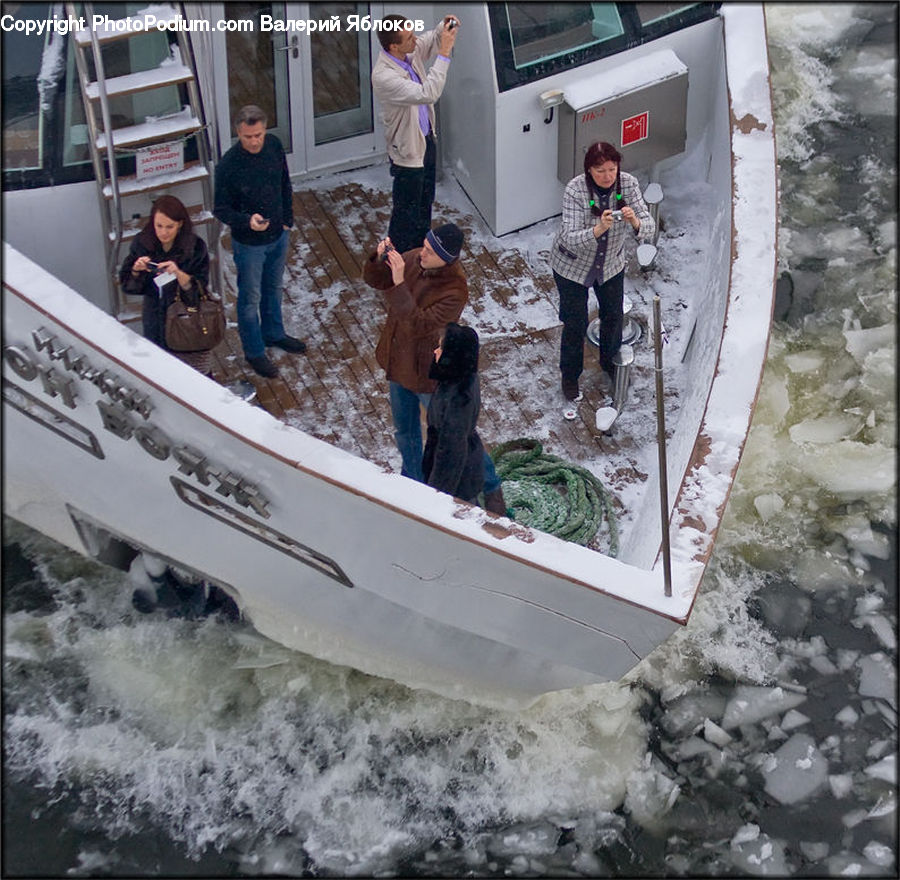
(408, 436)
(260, 271)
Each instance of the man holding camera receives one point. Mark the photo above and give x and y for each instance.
(424, 290)
(407, 95)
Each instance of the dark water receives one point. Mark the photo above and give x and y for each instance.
(139, 745)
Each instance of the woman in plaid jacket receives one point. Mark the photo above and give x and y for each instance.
(600, 207)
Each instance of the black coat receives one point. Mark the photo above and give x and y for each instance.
(453, 461)
(190, 255)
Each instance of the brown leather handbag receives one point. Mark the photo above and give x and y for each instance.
(195, 328)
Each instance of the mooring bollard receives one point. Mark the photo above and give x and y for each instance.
(622, 361)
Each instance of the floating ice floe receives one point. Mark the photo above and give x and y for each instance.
(877, 677)
(885, 769)
(768, 505)
(799, 770)
(826, 429)
(751, 704)
(841, 784)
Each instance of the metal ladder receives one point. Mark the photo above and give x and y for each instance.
(104, 141)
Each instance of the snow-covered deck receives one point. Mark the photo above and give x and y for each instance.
(338, 393)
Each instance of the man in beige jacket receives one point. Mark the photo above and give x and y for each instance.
(407, 95)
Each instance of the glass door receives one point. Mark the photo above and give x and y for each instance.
(258, 70)
(315, 87)
(335, 83)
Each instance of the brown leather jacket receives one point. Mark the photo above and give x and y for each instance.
(417, 312)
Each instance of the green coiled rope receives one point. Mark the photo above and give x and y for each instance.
(552, 495)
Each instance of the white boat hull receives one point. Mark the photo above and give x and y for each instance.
(111, 443)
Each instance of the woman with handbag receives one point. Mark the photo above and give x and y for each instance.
(168, 261)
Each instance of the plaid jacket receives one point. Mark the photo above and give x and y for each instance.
(575, 247)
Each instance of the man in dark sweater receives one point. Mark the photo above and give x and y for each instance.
(254, 198)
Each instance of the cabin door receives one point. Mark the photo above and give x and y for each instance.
(315, 87)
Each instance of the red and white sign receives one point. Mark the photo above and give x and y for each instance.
(160, 159)
(636, 128)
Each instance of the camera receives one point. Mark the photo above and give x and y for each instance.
(453, 23)
(616, 215)
(384, 256)
(152, 265)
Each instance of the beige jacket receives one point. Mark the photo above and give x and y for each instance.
(399, 97)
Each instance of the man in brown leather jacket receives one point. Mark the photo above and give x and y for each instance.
(424, 290)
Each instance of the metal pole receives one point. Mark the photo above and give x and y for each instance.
(661, 447)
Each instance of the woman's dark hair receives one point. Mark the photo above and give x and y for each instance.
(459, 354)
(174, 209)
(597, 154)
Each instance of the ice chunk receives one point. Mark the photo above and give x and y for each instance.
(804, 361)
(814, 851)
(762, 857)
(827, 429)
(714, 734)
(850, 468)
(793, 719)
(882, 628)
(751, 704)
(879, 854)
(745, 834)
(877, 677)
(528, 840)
(823, 665)
(848, 716)
(768, 505)
(885, 769)
(841, 784)
(861, 343)
(800, 770)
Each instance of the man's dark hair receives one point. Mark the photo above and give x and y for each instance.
(391, 37)
(250, 114)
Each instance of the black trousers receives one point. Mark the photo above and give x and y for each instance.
(413, 194)
(573, 312)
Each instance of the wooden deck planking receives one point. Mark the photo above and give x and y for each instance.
(337, 392)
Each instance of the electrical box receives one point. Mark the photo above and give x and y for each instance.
(639, 107)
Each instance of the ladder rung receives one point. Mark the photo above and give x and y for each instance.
(132, 83)
(132, 228)
(124, 28)
(129, 186)
(157, 130)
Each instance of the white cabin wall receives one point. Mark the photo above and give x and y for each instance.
(468, 107)
(59, 228)
(512, 172)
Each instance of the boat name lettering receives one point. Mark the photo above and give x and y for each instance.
(191, 461)
(74, 362)
(116, 418)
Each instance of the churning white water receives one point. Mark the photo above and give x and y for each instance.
(758, 740)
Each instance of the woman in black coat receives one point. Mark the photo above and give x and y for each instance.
(453, 461)
(169, 242)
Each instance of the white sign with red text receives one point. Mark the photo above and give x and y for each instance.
(160, 159)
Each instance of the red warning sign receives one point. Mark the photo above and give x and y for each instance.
(636, 128)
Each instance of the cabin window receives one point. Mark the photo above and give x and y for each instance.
(24, 91)
(532, 41)
(45, 132)
(542, 31)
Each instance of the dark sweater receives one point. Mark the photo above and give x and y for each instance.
(254, 183)
(189, 254)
